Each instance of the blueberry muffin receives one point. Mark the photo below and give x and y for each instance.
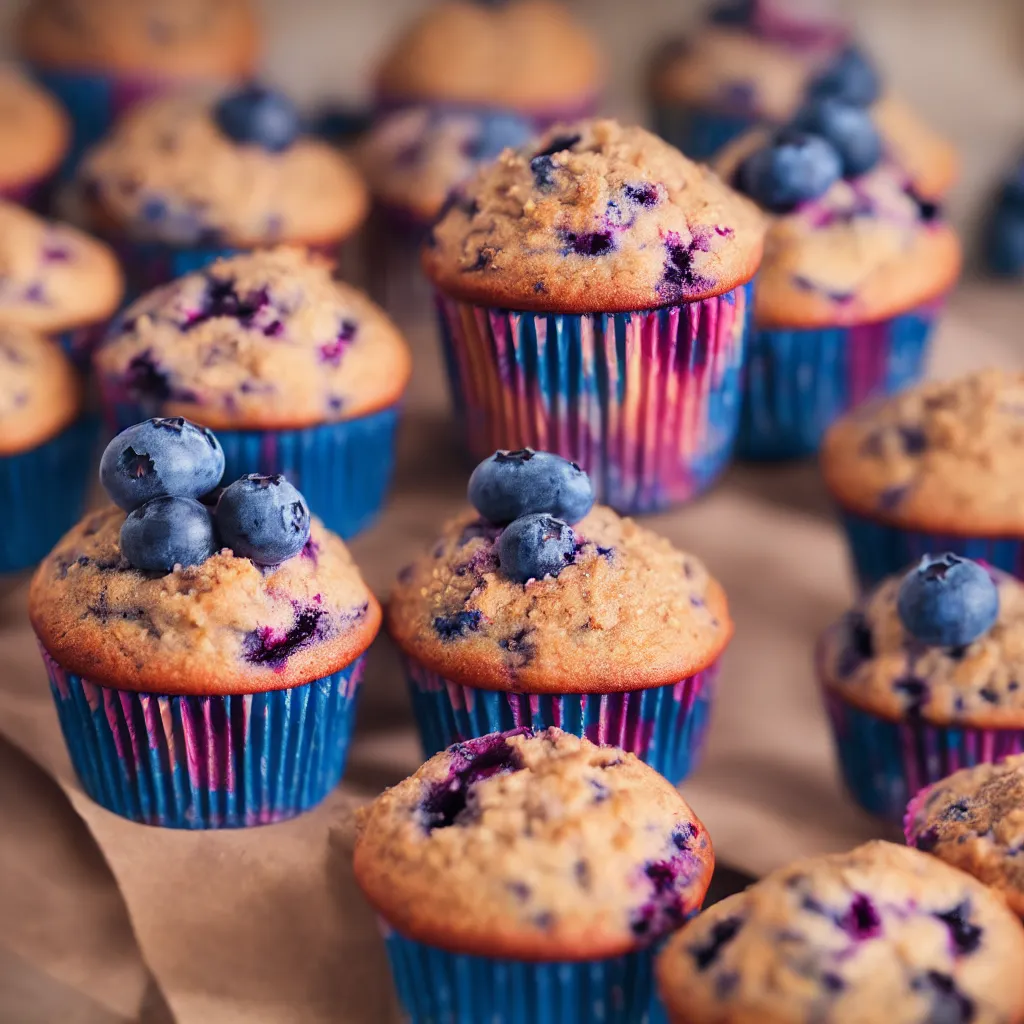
(99, 57)
(33, 136)
(936, 468)
(922, 676)
(237, 621)
(526, 56)
(56, 280)
(637, 260)
(974, 820)
(299, 373)
(855, 269)
(184, 179)
(532, 608)
(882, 933)
(536, 856)
(45, 446)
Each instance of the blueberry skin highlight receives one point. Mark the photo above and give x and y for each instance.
(947, 601)
(848, 128)
(536, 546)
(259, 116)
(793, 168)
(166, 532)
(850, 78)
(511, 484)
(161, 457)
(263, 518)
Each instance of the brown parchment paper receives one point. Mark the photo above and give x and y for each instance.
(265, 925)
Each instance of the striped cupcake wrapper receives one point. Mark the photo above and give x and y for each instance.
(884, 764)
(44, 492)
(700, 134)
(343, 469)
(798, 383)
(666, 726)
(879, 550)
(438, 987)
(647, 402)
(230, 761)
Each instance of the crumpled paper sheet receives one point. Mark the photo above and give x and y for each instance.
(266, 925)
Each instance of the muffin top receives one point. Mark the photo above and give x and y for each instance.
(535, 846)
(865, 250)
(928, 159)
(882, 933)
(33, 130)
(40, 393)
(941, 457)
(594, 217)
(163, 37)
(524, 55)
(52, 276)
(415, 156)
(758, 70)
(974, 820)
(871, 659)
(169, 172)
(628, 612)
(226, 625)
(260, 340)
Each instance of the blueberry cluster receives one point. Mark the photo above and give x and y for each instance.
(166, 473)
(536, 496)
(948, 601)
(832, 136)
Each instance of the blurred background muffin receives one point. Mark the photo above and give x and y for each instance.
(99, 57)
(526, 56)
(183, 180)
(412, 159)
(56, 280)
(34, 136)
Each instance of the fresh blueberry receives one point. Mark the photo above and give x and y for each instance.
(792, 168)
(263, 518)
(850, 129)
(166, 532)
(536, 546)
(947, 601)
(161, 457)
(1004, 240)
(732, 12)
(259, 116)
(850, 78)
(340, 124)
(511, 484)
(498, 131)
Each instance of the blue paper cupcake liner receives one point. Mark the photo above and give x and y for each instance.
(797, 383)
(666, 726)
(647, 402)
(343, 469)
(884, 764)
(700, 134)
(207, 762)
(93, 102)
(438, 987)
(879, 550)
(44, 491)
(148, 265)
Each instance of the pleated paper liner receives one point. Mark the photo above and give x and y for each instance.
(665, 726)
(797, 383)
(207, 762)
(700, 134)
(647, 402)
